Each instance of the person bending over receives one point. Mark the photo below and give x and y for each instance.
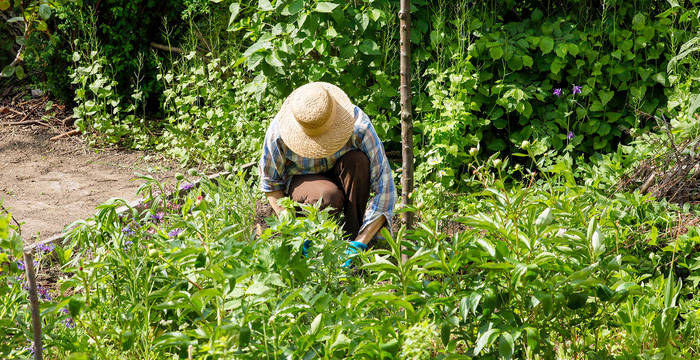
(321, 147)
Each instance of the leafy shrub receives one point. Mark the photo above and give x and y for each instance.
(208, 113)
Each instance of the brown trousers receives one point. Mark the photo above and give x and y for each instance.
(344, 188)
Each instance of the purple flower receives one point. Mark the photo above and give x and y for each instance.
(577, 89)
(127, 230)
(557, 92)
(20, 265)
(64, 310)
(68, 323)
(44, 292)
(174, 233)
(158, 216)
(47, 248)
(186, 186)
(570, 135)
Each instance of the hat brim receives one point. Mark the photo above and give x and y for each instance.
(325, 144)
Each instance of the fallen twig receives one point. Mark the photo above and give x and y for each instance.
(28, 122)
(167, 48)
(66, 134)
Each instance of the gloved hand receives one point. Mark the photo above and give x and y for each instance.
(305, 248)
(354, 247)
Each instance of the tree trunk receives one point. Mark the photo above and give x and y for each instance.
(406, 113)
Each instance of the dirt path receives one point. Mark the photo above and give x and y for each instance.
(49, 184)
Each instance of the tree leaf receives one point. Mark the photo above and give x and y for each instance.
(496, 52)
(264, 5)
(325, 7)
(235, 9)
(505, 346)
(369, 47)
(4, 4)
(546, 45)
(293, 7)
(605, 96)
(485, 339)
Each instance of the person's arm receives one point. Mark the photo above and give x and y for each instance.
(381, 206)
(272, 197)
(371, 230)
(271, 168)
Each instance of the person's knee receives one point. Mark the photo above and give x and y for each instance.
(330, 197)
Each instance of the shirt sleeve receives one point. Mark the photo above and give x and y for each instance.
(272, 161)
(381, 178)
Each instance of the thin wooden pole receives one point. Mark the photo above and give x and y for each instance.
(34, 302)
(406, 112)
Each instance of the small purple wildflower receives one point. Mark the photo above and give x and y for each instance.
(186, 186)
(68, 323)
(557, 92)
(47, 248)
(127, 230)
(20, 265)
(44, 292)
(577, 89)
(158, 216)
(64, 310)
(128, 242)
(174, 233)
(570, 135)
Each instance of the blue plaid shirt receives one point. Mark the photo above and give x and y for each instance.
(278, 164)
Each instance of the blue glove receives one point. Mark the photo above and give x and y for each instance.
(353, 248)
(305, 248)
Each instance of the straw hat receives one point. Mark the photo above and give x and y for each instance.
(316, 120)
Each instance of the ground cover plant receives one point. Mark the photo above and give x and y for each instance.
(548, 269)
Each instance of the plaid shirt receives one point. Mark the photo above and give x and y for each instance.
(278, 164)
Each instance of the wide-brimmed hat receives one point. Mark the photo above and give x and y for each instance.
(316, 120)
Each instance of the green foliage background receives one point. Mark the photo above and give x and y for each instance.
(484, 72)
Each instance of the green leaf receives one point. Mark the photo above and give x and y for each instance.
(496, 52)
(369, 47)
(605, 96)
(485, 339)
(264, 5)
(445, 333)
(546, 45)
(325, 7)
(244, 336)
(8, 71)
(505, 346)
(234, 9)
(527, 61)
(293, 7)
(19, 72)
(174, 338)
(274, 59)
(545, 218)
(4, 4)
(315, 324)
(45, 11)
(15, 19)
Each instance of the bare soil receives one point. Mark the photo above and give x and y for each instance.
(46, 184)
